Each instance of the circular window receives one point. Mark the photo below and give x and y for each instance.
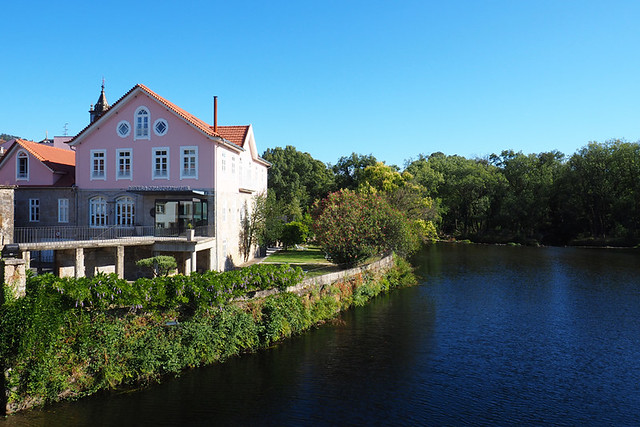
(160, 127)
(123, 129)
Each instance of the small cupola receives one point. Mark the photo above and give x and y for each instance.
(96, 111)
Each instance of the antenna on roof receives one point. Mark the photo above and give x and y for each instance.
(66, 129)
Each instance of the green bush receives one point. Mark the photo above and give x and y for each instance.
(69, 338)
(282, 315)
(160, 265)
(352, 227)
(294, 233)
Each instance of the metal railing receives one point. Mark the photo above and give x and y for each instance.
(53, 234)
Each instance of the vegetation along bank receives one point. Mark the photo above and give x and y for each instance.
(69, 338)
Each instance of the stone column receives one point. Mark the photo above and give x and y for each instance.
(212, 258)
(15, 276)
(79, 263)
(26, 256)
(187, 265)
(194, 264)
(120, 261)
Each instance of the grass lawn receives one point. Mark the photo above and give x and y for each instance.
(310, 259)
(309, 255)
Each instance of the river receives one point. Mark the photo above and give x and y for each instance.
(493, 335)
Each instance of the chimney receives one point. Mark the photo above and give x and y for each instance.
(215, 114)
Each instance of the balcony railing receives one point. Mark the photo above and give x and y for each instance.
(52, 234)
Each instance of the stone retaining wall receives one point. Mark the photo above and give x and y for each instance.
(311, 283)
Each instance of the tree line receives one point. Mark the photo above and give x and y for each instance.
(590, 197)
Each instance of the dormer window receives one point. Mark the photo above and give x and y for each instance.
(142, 123)
(22, 166)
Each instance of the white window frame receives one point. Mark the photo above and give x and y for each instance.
(63, 210)
(22, 154)
(139, 131)
(154, 156)
(183, 157)
(120, 123)
(34, 210)
(233, 164)
(118, 158)
(125, 211)
(166, 127)
(94, 157)
(98, 215)
(223, 161)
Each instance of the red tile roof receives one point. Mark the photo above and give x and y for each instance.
(190, 118)
(57, 159)
(234, 134)
(203, 126)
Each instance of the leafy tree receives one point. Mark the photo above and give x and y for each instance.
(294, 233)
(160, 265)
(348, 171)
(469, 193)
(527, 203)
(7, 137)
(606, 192)
(252, 224)
(353, 226)
(403, 193)
(273, 220)
(424, 175)
(297, 179)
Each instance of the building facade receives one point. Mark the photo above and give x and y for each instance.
(144, 166)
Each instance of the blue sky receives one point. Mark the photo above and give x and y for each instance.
(392, 79)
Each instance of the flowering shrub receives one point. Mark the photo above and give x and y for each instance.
(353, 226)
(198, 290)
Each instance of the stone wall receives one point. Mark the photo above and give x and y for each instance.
(48, 198)
(14, 276)
(311, 283)
(7, 198)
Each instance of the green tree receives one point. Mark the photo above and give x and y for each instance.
(294, 233)
(7, 137)
(273, 220)
(604, 177)
(405, 194)
(469, 193)
(353, 226)
(297, 179)
(348, 171)
(527, 204)
(252, 224)
(160, 265)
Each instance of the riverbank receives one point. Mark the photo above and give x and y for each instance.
(78, 352)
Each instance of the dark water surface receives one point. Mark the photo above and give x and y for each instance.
(492, 336)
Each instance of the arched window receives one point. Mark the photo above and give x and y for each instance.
(22, 165)
(142, 123)
(125, 212)
(98, 212)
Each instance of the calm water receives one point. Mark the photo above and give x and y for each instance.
(493, 336)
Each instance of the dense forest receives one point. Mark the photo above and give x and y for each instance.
(589, 198)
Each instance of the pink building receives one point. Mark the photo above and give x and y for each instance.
(44, 177)
(145, 166)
